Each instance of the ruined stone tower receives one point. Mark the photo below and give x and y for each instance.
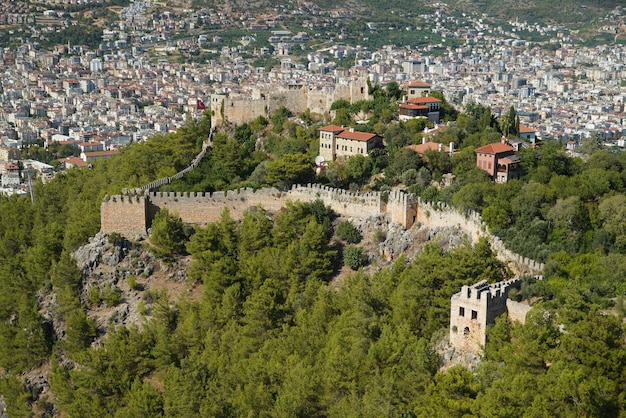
(475, 307)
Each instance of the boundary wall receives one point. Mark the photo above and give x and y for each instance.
(442, 215)
(239, 108)
(132, 212)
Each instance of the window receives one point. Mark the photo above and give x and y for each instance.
(461, 311)
(466, 330)
(474, 315)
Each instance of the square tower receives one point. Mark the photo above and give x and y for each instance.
(475, 307)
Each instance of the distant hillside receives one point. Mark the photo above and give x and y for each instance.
(550, 11)
(565, 12)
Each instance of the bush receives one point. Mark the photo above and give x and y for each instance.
(348, 233)
(353, 257)
(111, 296)
(142, 308)
(115, 238)
(95, 298)
(132, 283)
(168, 237)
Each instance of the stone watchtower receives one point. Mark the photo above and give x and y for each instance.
(475, 307)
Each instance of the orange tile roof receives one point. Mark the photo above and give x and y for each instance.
(525, 130)
(332, 128)
(417, 83)
(426, 99)
(75, 161)
(429, 146)
(495, 148)
(100, 153)
(358, 136)
(412, 106)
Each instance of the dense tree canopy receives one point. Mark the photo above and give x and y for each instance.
(272, 334)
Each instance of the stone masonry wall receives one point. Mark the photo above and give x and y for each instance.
(517, 311)
(442, 215)
(403, 208)
(203, 208)
(125, 215)
(296, 99)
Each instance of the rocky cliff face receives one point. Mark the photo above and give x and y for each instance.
(121, 280)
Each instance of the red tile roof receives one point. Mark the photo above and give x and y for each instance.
(74, 161)
(358, 136)
(100, 153)
(332, 128)
(426, 99)
(417, 83)
(412, 106)
(495, 148)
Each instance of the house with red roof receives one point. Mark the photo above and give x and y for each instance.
(499, 161)
(420, 107)
(416, 88)
(527, 133)
(426, 146)
(336, 141)
(70, 162)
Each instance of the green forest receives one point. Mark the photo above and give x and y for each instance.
(273, 335)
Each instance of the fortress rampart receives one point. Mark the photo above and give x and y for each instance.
(238, 109)
(132, 212)
(475, 307)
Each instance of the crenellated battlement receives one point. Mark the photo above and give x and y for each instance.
(201, 208)
(475, 307)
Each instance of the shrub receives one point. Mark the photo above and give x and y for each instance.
(348, 233)
(132, 283)
(141, 308)
(111, 296)
(95, 298)
(115, 238)
(379, 236)
(353, 257)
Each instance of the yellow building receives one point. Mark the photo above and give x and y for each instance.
(336, 141)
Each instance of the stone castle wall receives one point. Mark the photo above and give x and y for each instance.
(442, 215)
(475, 307)
(296, 98)
(133, 219)
(126, 215)
(131, 214)
(517, 311)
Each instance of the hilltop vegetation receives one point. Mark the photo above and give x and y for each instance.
(269, 335)
(564, 12)
(403, 12)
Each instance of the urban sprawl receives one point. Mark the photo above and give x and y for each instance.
(129, 88)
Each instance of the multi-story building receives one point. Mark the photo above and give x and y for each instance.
(336, 141)
(416, 88)
(420, 107)
(499, 161)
